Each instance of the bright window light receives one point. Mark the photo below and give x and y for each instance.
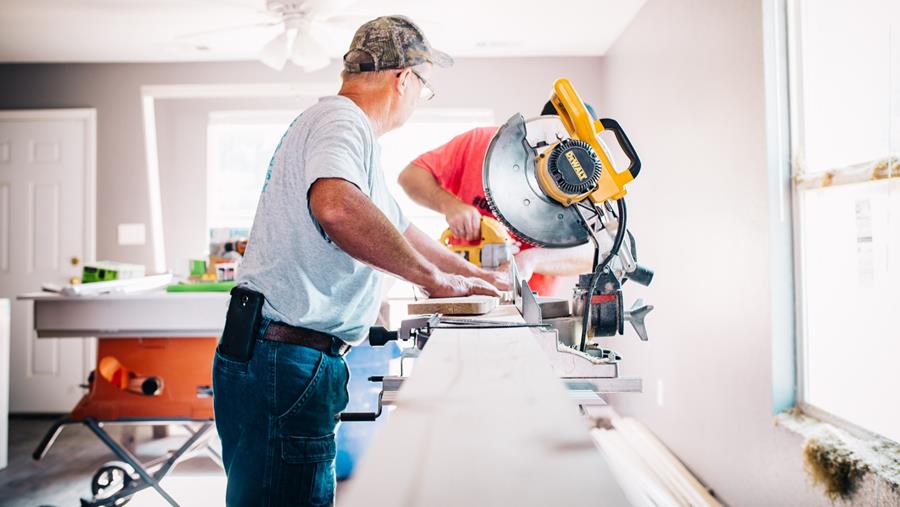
(846, 137)
(240, 146)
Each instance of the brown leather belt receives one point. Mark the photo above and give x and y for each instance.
(323, 342)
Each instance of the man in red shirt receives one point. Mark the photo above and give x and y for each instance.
(448, 180)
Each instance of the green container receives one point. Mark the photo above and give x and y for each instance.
(105, 271)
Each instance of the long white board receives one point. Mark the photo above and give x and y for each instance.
(483, 421)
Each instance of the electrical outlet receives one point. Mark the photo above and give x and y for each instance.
(659, 392)
(132, 234)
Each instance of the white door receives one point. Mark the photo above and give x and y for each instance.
(47, 192)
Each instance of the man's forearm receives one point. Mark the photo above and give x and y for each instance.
(559, 261)
(422, 188)
(356, 225)
(440, 256)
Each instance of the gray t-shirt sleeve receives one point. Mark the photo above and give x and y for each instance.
(337, 150)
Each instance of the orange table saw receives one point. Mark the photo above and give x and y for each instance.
(154, 367)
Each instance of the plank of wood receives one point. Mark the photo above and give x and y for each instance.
(468, 305)
(483, 421)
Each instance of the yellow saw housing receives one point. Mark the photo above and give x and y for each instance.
(579, 168)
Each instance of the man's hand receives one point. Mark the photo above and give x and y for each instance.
(448, 285)
(424, 189)
(498, 278)
(464, 220)
(449, 262)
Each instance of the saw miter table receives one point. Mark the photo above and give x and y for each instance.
(485, 419)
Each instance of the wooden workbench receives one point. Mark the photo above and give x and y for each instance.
(483, 421)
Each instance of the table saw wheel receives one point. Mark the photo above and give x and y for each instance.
(112, 477)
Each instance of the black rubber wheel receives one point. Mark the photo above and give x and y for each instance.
(112, 477)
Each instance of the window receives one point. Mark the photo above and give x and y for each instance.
(240, 145)
(845, 129)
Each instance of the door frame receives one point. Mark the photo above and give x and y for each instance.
(89, 117)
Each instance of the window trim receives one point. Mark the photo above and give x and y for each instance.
(794, 62)
(782, 251)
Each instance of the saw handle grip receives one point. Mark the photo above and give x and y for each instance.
(634, 166)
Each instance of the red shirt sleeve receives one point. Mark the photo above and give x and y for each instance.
(447, 163)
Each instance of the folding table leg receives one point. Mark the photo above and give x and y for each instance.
(187, 446)
(129, 458)
(50, 437)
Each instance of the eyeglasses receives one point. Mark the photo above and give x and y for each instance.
(426, 93)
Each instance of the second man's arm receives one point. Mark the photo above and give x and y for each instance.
(359, 228)
(464, 220)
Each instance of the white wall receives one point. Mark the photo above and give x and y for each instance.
(686, 81)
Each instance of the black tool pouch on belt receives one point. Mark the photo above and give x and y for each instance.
(241, 324)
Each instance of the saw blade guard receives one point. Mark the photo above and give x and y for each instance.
(514, 193)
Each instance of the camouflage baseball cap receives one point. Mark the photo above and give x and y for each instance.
(391, 42)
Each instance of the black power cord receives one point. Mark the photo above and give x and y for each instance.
(617, 244)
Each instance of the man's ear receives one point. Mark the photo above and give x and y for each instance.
(403, 81)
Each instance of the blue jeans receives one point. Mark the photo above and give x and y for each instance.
(276, 415)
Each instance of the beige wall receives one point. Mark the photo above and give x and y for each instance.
(504, 85)
(690, 90)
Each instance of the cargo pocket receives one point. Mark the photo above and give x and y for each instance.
(307, 470)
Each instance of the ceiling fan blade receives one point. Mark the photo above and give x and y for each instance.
(275, 52)
(308, 53)
(213, 31)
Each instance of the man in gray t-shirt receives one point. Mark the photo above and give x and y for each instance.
(325, 230)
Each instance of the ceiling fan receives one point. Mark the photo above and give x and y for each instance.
(307, 28)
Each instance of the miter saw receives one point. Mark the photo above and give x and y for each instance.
(551, 181)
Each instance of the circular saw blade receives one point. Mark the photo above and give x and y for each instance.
(513, 192)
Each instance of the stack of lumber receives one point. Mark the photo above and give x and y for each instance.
(649, 474)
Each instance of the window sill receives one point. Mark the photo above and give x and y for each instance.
(849, 465)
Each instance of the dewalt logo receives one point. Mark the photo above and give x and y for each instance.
(576, 165)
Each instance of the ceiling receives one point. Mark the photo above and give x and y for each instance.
(154, 30)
